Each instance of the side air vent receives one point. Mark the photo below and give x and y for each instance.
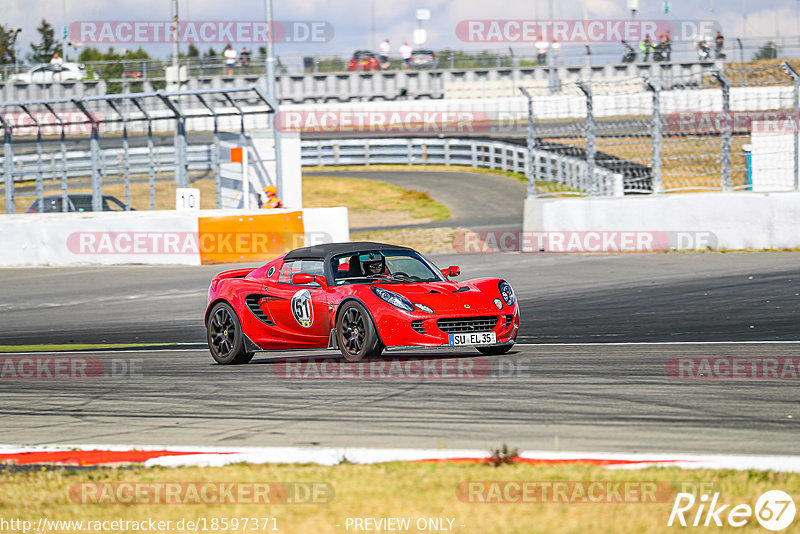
(509, 320)
(252, 302)
(417, 325)
(461, 289)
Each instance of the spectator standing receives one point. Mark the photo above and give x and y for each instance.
(383, 54)
(719, 43)
(230, 60)
(269, 199)
(556, 47)
(405, 53)
(244, 55)
(645, 47)
(541, 51)
(56, 65)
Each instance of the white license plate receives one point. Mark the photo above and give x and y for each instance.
(485, 338)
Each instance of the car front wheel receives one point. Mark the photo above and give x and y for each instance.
(356, 334)
(225, 337)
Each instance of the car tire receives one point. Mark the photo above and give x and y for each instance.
(495, 350)
(225, 336)
(356, 334)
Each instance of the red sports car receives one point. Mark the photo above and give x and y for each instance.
(363, 60)
(361, 298)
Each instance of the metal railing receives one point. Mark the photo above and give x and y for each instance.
(572, 173)
(49, 158)
(736, 130)
(516, 55)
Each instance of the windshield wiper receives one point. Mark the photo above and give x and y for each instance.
(379, 276)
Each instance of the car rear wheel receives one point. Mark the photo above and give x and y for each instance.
(225, 337)
(495, 350)
(356, 333)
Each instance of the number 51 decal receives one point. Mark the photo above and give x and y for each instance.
(302, 308)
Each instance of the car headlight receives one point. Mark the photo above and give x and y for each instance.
(506, 292)
(498, 303)
(394, 299)
(423, 307)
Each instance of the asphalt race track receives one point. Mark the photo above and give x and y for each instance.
(590, 372)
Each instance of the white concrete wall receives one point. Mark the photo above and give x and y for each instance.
(136, 237)
(729, 221)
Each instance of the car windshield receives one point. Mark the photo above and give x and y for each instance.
(384, 266)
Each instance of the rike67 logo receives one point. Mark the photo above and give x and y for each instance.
(774, 510)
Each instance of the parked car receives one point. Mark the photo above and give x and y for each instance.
(363, 60)
(77, 202)
(49, 74)
(360, 298)
(424, 59)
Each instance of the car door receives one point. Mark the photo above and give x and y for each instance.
(300, 312)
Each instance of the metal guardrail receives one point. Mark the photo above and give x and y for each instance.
(78, 163)
(570, 172)
(123, 109)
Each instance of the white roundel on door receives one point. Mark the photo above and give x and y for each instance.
(302, 309)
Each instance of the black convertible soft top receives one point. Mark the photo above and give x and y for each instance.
(328, 250)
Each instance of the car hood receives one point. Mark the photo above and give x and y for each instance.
(460, 298)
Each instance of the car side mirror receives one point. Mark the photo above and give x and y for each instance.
(302, 279)
(452, 271)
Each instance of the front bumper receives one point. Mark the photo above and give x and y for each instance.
(423, 330)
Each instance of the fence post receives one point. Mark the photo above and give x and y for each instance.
(181, 164)
(590, 139)
(727, 184)
(473, 152)
(94, 144)
(39, 162)
(531, 144)
(125, 154)
(64, 183)
(795, 117)
(657, 184)
(8, 166)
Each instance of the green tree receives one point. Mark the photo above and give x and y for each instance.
(193, 51)
(768, 51)
(7, 52)
(43, 52)
(108, 65)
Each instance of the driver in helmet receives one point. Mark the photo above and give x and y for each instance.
(372, 264)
